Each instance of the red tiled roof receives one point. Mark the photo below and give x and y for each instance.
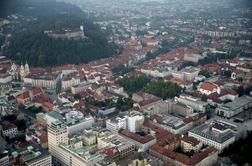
(80, 105)
(157, 148)
(212, 68)
(178, 81)
(172, 139)
(160, 133)
(8, 125)
(37, 91)
(137, 137)
(188, 120)
(67, 79)
(42, 99)
(5, 66)
(149, 101)
(195, 159)
(43, 138)
(25, 144)
(208, 86)
(190, 140)
(24, 95)
(216, 97)
(110, 152)
(48, 106)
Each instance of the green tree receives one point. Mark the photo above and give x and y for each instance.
(29, 42)
(186, 64)
(35, 110)
(195, 85)
(240, 91)
(77, 96)
(124, 104)
(121, 70)
(226, 73)
(105, 103)
(204, 98)
(9, 118)
(134, 84)
(2, 39)
(204, 73)
(163, 89)
(18, 77)
(240, 79)
(248, 90)
(150, 55)
(21, 124)
(239, 150)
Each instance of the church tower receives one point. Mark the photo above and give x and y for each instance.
(27, 69)
(22, 72)
(13, 71)
(82, 30)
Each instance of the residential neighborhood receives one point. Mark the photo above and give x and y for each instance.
(178, 94)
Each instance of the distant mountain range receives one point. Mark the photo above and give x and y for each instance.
(29, 42)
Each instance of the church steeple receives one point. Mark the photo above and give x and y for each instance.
(22, 71)
(13, 71)
(27, 69)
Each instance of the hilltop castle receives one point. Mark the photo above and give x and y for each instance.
(67, 33)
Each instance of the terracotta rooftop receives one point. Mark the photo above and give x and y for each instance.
(25, 144)
(208, 86)
(142, 139)
(178, 81)
(37, 91)
(160, 133)
(212, 68)
(149, 101)
(24, 95)
(67, 79)
(190, 140)
(48, 106)
(216, 97)
(43, 138)
(110, 152)
(182, 158)
(8, 125)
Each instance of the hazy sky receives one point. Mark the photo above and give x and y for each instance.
(9, 5)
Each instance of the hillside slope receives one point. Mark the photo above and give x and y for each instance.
(30, 43)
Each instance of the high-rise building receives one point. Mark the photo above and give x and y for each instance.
(57, 134)
(86, 147)
(116, 124)
(135, 121)
(74, 120)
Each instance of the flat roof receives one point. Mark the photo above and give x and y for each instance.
(32, 153)
(237, 103)
(169, 120)
(68, 116)
(205, 131)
